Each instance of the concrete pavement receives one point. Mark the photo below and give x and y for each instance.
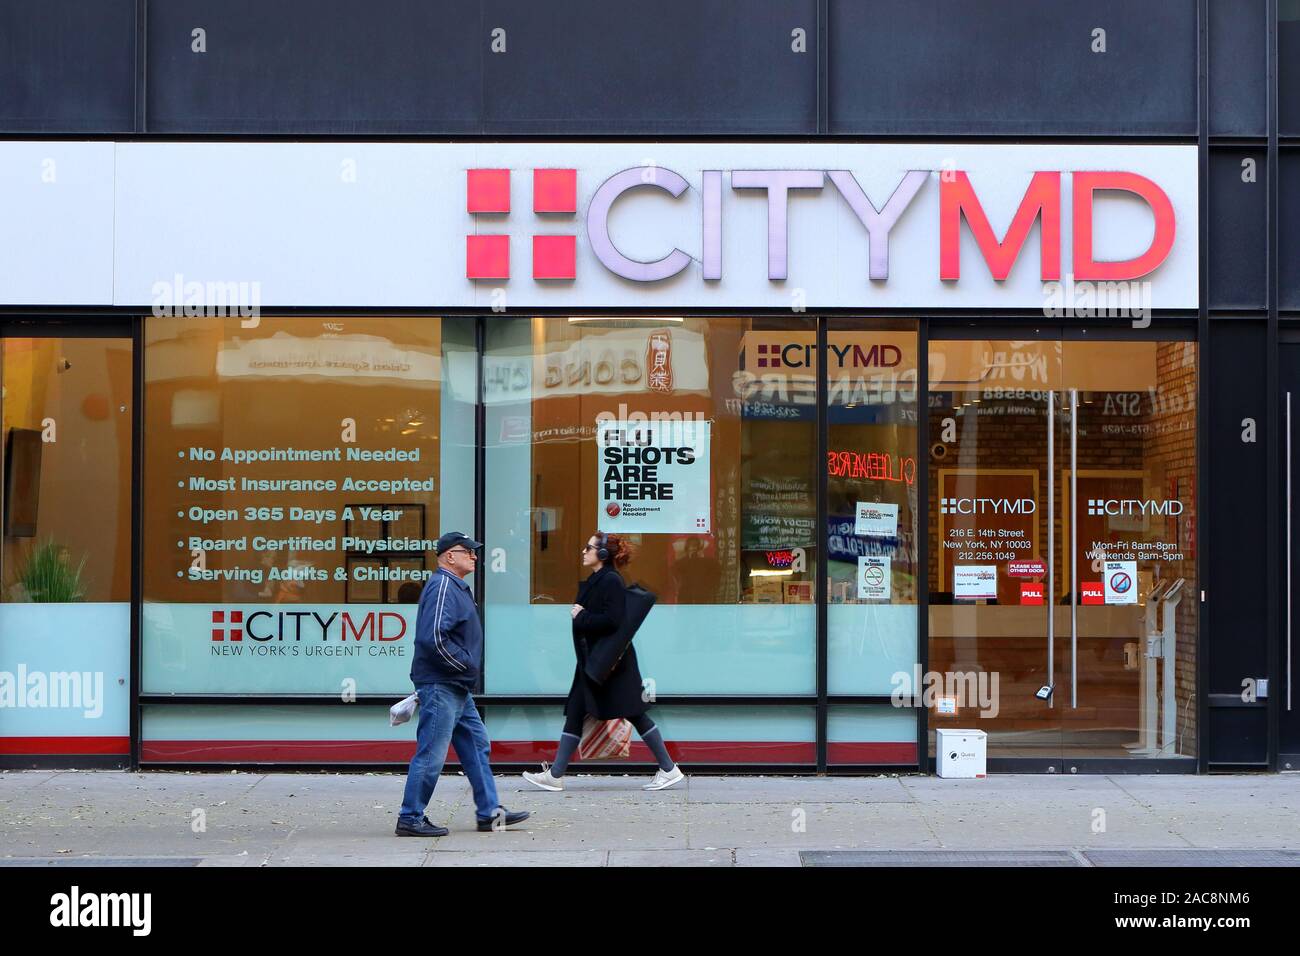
(296, 819)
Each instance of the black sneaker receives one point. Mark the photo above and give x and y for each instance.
(422, 829)
(506, 818)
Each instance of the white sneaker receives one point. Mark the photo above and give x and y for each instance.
(545, 780)
(665, 778)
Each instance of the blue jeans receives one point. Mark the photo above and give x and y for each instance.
(448, 716)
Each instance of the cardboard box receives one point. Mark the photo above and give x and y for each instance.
(798, 592)
(767, 590)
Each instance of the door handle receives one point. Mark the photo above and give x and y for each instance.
(1051, 545)
(1074, 548)
(1289, 672)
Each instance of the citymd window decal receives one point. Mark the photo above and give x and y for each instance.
(296, 485)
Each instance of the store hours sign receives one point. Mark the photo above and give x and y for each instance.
(653, 476)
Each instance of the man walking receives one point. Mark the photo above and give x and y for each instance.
(448, 651)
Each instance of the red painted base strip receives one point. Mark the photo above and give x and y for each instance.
(513, 751)
(277, 751)
(873, 753)
(65, 745)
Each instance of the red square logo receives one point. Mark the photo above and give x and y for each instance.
(219, 618)
(1091, 592)
(555, 257)
(769, 356)
(1031, 593)
(487, 257)
(487, 190)
(555, 190)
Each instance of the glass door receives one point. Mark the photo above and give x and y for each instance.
(1131, 548)
(996, 426)
(1062, 478)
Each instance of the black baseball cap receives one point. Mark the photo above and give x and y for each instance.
(453, 538)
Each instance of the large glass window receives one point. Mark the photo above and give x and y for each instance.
(298, 472)
(65, 551)
(872, 508)
(65, 412)
(696, 438)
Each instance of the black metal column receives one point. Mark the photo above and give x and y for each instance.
(137, 531)
(1273, 431)
(922, 572)
(822, 567)
(1204, 614)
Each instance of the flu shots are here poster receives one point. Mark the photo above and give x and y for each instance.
(653, 476)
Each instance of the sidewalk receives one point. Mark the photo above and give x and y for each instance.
(256, 819)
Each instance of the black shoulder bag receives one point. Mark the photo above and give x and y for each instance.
(609, 650)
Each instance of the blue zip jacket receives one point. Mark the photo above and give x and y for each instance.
(448, 634)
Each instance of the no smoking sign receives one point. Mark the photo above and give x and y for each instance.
(1120, 580)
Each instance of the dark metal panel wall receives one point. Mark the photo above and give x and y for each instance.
(948, 67)
(501, 66)
(1238, 737)
(1288, 243)
(1238, 228)
(314, 66)
(681, 66)
(1288, 66)
(67, 66)
(708, 67)
(1236, 523)
(1238, 74)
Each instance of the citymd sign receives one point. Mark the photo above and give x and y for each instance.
(658, 226)
(555, 191)
(983, 220)
(277, 624)
(993, 506)
(251, 648)
(1114, 507)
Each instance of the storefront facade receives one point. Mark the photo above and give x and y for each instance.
(942, 431)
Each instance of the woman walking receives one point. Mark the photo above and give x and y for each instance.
(598, 612)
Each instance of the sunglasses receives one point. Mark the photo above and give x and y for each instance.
(472, 554)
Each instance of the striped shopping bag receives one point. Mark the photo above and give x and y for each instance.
(605, 739)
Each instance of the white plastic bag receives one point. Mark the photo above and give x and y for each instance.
(403, 710)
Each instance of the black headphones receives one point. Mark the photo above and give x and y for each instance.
(602, 549)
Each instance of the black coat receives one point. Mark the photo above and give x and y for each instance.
(603, 599)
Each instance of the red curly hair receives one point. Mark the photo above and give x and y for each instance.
(620, 552)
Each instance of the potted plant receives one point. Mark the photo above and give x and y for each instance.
(48, 576)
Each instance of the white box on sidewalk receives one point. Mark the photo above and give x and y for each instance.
(961, 753)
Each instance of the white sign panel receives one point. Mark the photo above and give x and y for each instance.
(1120, 581)
(973, 581)
(706, 225)
(56, 233)
(653, 476)
(875, 519)
(874, 581)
